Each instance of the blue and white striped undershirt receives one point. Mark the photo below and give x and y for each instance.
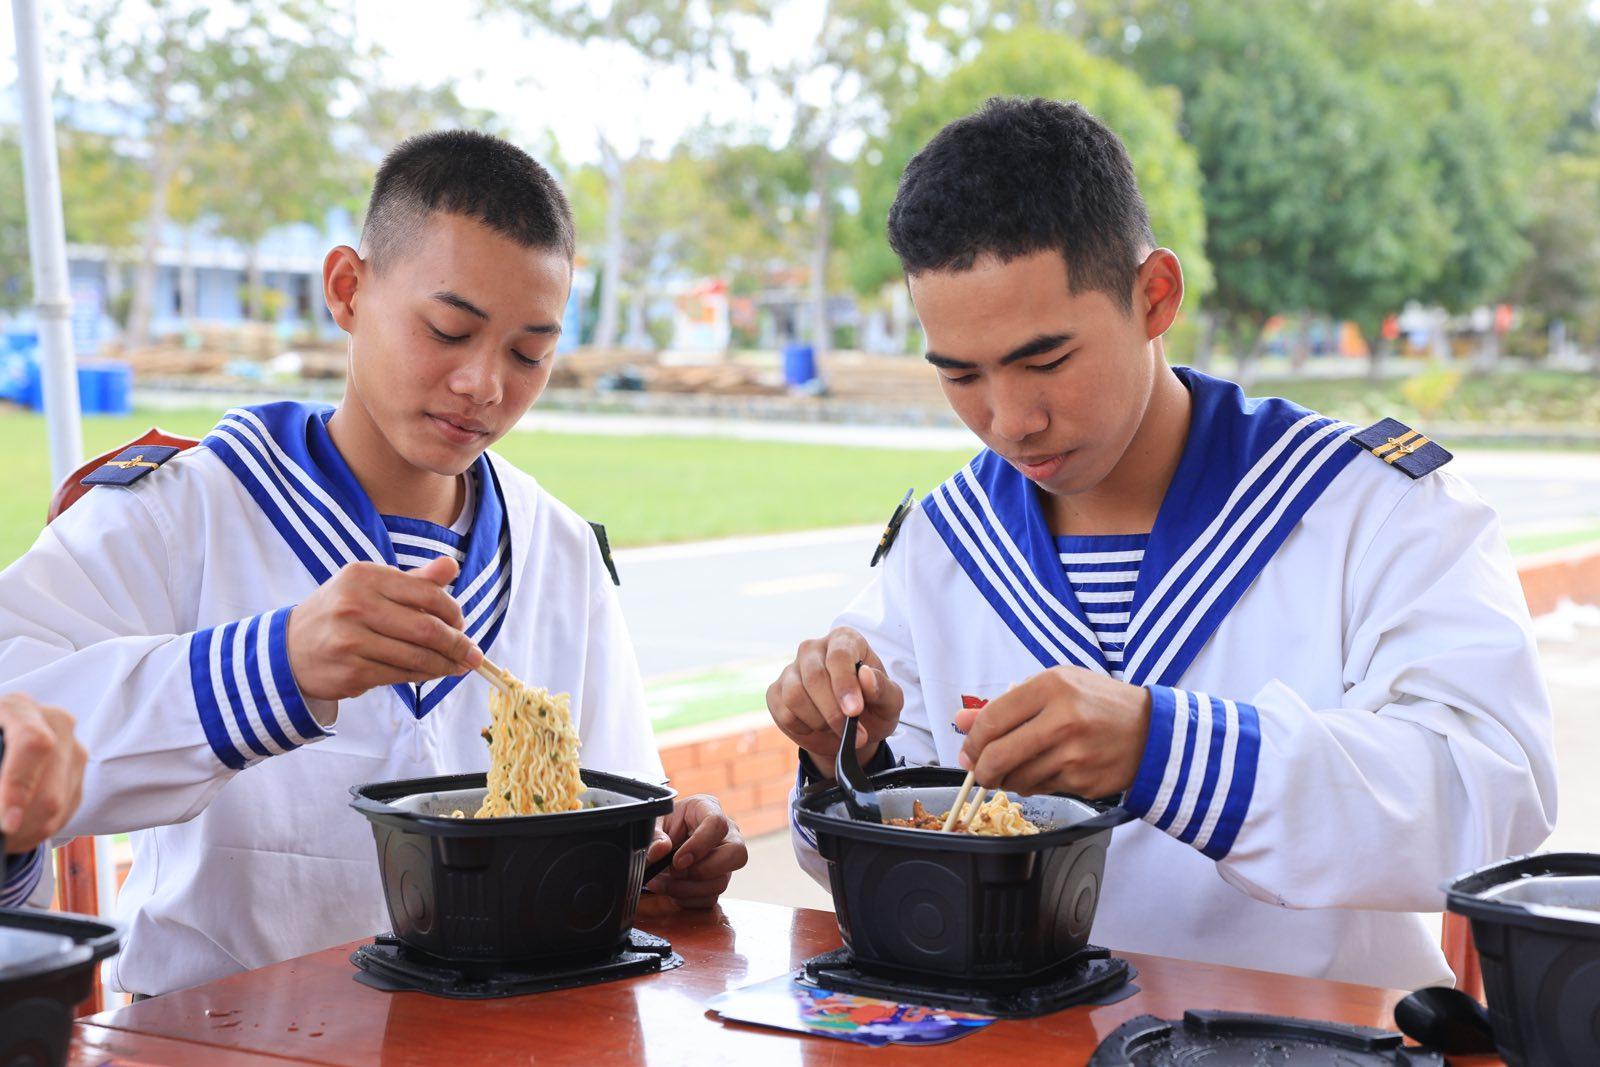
(1102, 571)
(417, 542)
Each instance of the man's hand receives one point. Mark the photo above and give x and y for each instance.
(41, 774)
(372, 625)
(814, 694)
(1066, 730)
(711, 850)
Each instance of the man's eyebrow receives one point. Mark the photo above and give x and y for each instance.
(1041, 344)
(1038, 346)
(456, 300)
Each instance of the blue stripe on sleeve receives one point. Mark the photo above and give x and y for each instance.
(296, 718)
(1157, 747)
(23, 874)
(294, 705)
(205, 701)
(1242, 787)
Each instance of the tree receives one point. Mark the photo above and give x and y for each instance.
(271, 157)
(1316, 199)
(1559, 279)
(177, 69)
(649, 37)
(16, 282)
(854, 71)
(1035, 62)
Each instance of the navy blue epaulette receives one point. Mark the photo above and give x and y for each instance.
(605, 550)
(1403, 448)
(892, 531)
(129, 465)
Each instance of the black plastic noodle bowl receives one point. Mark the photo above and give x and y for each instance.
(920, 902)
(532, 890)
(47, 967)
(1536, 923)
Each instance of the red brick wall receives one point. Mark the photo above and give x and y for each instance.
(1565, 574)
(744, 762)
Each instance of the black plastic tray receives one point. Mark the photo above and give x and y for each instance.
(1541, 968)
(531, 891)
(1233, 1039)
(36, 1004)
(914, 903)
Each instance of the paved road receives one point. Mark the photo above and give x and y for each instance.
(695, 607)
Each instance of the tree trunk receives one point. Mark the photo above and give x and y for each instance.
(160, 171)
(638, 335)
(1206, 347)
(1300, 350)
(252, 285)
(605, 329)
(821, 241)
(899, 318)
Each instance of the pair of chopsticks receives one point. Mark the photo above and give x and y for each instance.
(961, 802)
(498, 677)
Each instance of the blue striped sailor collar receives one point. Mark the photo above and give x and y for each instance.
(1249, 470)
(286, 460)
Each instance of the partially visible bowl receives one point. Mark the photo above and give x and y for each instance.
(1536, 925)
(530, 890)
(47, 968)
(918, 902)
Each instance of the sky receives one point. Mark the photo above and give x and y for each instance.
(537, 84)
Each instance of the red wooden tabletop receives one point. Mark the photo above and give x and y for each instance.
(311, 1010)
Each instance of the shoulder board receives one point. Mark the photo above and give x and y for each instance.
(605, 550)
(1402, 448)
(892, 531)
(129, 465)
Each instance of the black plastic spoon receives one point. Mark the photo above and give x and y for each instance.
(859, 797)
(1445, 1019)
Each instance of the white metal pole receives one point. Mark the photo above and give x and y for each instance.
(47, 244)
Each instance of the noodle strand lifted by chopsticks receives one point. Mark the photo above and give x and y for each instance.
(533, 753)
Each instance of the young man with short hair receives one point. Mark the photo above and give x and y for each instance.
(290, 609)
(1298, 651)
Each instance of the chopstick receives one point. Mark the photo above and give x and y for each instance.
(498, 677)
(972, 809)
(961, 799)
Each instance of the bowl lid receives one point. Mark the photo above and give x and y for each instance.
(425, 805)
(1552, 890)
(25, 953)
(1226, 1038)
(1065, 818)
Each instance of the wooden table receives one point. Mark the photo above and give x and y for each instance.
(311, 1011)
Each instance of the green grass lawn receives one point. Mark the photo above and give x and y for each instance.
(647, 490)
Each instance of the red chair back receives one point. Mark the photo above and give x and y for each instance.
(77, 887)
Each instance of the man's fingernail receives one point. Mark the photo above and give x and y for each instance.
(683, 860)
(964, 760)
(12, 821)
(851, 704)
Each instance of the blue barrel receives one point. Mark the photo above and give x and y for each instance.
(105, 387)
(799, 364)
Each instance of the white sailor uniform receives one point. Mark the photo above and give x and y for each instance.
(1347, 708)
(157, 614)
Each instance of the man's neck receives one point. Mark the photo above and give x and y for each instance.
(394, 485)
(1128, 499)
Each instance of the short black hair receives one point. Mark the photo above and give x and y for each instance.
(464, 172)
(1019, 177)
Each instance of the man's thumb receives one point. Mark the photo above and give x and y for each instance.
(441, 571)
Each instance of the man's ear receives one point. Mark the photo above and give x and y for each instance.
(343, 273)
(1158, 291)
